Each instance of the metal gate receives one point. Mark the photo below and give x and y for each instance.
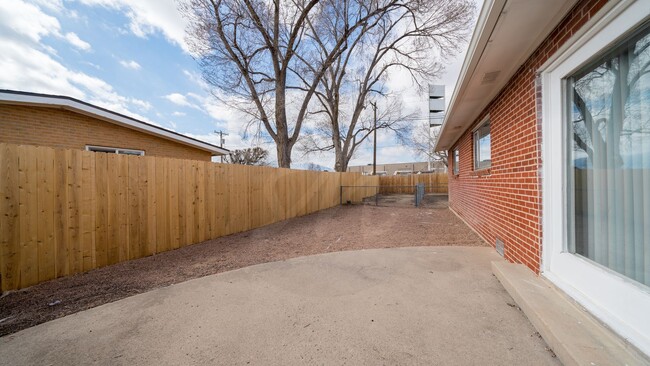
(419, 194)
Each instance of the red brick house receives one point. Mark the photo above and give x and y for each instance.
(64, 122)
(548, 138)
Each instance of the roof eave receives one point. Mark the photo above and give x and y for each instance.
(479, 38)
(78, 106)
(495, 27)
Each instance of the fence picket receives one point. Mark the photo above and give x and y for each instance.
(9, 218)
(28, 219)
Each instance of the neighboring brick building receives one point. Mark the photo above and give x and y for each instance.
(63, 122)
(545, 87)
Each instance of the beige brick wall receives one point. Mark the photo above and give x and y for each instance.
(42, 126)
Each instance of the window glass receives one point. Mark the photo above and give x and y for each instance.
(114, 150)
(609, 159)
(130, 152)
(482, 148)
(456, 162)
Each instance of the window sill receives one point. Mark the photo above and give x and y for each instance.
(481, 173)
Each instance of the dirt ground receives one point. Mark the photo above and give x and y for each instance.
(336, 229)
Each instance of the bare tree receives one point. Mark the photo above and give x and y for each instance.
(422, 142)
(345, 140)
(249, 50)
(248, 156)
(402, 37)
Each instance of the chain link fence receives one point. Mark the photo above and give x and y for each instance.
(418, 195)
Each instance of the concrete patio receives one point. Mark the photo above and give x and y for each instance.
(438, 305)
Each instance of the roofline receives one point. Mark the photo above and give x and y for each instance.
(486, 24)
(486, 19)
(76, 105)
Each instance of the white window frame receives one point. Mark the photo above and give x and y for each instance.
(476, 148)
(617, 300)
(455, 153)
(114, 150)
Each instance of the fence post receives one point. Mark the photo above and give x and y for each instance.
(416, 194)
(377, 196)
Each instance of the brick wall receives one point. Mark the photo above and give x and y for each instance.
(60, 128)
(505, 201)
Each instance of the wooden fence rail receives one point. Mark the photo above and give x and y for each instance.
(68, 211)
(435, 183)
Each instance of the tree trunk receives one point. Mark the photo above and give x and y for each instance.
(342, 158)
(283, 145)
(284, 155)
(344, 163)
(341, 164)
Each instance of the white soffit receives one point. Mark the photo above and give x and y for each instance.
(75, 105)
(506, 34)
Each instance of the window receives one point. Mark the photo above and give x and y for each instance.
(456, 161)
(114, 150)
(482, 148)
(609, 158)
(603, 275)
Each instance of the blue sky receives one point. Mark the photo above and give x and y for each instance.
(130, 57)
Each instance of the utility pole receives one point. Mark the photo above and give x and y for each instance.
(374, 150)
(221, 140)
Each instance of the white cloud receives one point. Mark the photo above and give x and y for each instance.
(53, 5)
(142, 104)
(149, 16)
(179, 99)
(130, 64)
(196, 78)
(92, 65)
(77, 42)
(216, 109)
(179, 114)
(26, 22)
(50, 50)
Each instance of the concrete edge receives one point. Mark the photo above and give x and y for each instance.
(576, 337)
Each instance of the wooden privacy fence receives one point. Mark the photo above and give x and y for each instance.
(434, 183)
(68, 211)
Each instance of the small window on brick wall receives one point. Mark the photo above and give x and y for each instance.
(456, 161)
(482, 146)
(114, 150)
